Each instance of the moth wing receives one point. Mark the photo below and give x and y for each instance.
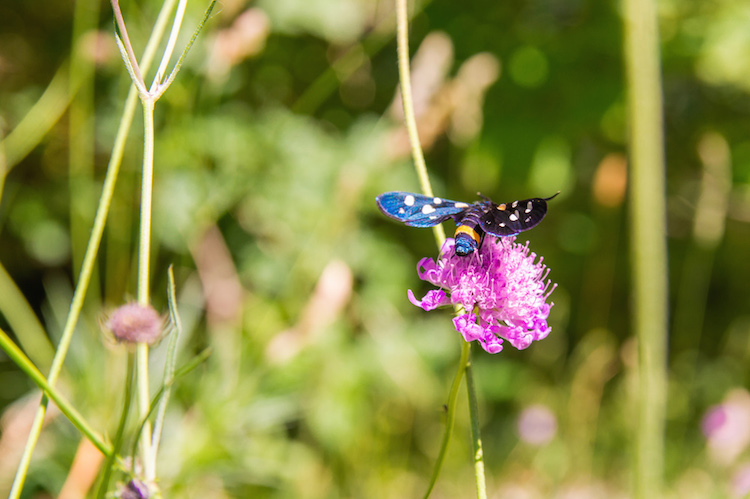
(418, 210)
(510, 219)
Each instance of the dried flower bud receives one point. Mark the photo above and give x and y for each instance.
(135, 323)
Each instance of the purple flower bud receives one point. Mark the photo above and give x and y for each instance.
(135, 323)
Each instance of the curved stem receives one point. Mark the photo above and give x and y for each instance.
(450, 415)
(402, 39)
(476, 438)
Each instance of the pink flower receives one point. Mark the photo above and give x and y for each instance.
(727, 427)
(500, 287)
(135, 323)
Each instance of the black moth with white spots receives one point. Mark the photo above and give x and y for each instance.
(472, 220)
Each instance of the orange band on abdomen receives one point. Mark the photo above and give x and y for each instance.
(465, 229)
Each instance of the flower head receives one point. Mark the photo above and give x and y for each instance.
(500, 287)
(135, 323)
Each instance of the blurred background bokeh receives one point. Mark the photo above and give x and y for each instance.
(280, 130)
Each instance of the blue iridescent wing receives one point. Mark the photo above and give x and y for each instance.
(416, 210)
(511, 218)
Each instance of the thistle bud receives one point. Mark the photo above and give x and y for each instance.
(135, 323)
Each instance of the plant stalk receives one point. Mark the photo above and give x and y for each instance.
(648, 245)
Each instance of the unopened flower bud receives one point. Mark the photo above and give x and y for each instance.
(135, 323)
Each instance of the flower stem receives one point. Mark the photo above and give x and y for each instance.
(144, 253)
(117, 443)
(450, 415)
(402, 39)
(648, 238)
(476, 438)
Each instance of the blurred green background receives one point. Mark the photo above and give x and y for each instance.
(271, 146)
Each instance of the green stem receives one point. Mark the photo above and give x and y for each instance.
(450, 416)
(23, 362)
(144, 254)
(476, 438)
(402, 39)
(171, 42)
(156, 400)
(171, 362)
(117, 444)
(648, 239)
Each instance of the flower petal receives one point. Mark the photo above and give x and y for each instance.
(432, 300)
(467, 326)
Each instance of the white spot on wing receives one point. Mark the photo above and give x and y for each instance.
(461, 205)
(409, 200)
(502, 224)
(437, 200)
(427, 209)
(401, 211)
(515, 203)
(513, 216)
(529, 205)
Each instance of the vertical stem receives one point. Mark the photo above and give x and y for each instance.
(648, 238)
(476, 438)
(450, 416)
(144, 252)
(402, 39)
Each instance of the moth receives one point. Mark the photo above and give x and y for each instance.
(473, 220)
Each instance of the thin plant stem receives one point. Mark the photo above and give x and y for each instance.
(148, 100)
(476, 438)
(402, 39)
(648, 239)
(171, 42)
(144, 254)
(23, 362)
(117, 443)
(129, 54)
(450, 417)
(92, 249)
(170, 364)
(155, 401)
(402, 44)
